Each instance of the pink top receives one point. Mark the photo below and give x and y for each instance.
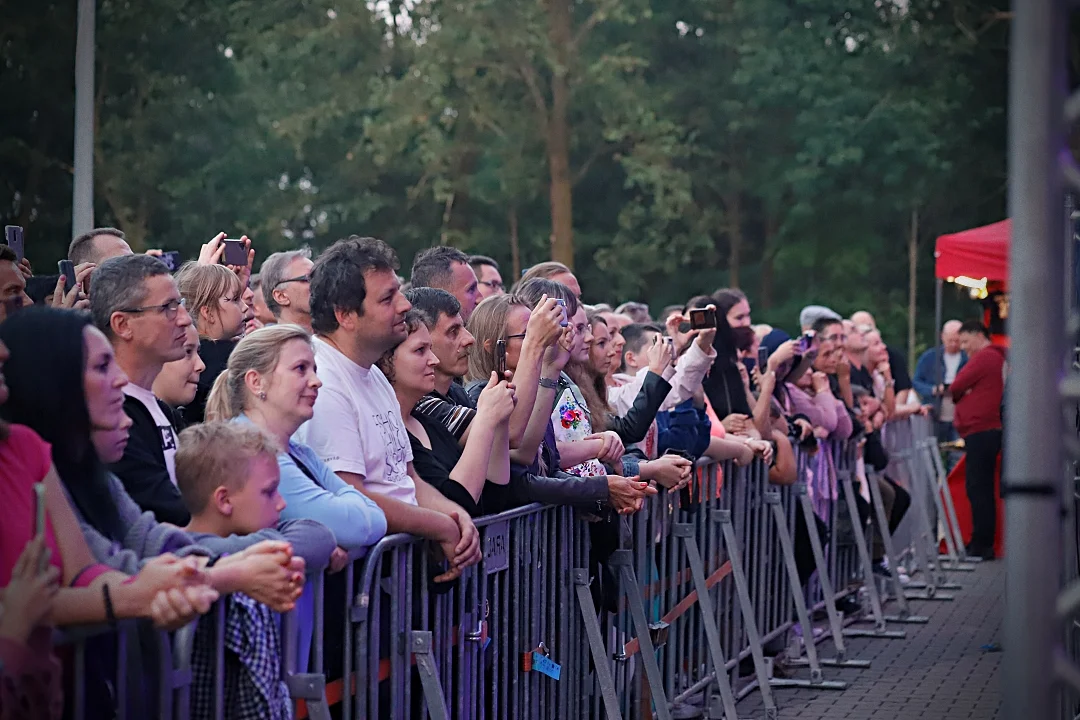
(25, 459)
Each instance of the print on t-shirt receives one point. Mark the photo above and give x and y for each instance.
(396, 441)
(168, 438)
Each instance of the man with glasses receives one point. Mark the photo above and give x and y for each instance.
(286, 287)
(488, 279)
(139, 308)
(13, 295)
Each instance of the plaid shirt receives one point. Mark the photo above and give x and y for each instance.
(254, 688)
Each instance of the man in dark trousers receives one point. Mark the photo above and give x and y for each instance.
(977, 392)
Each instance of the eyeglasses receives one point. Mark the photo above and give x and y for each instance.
(168, 309)
(519, 336)
(493, 284)
(298, 278)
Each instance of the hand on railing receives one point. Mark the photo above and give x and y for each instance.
(27, 600)
(267, 571)
(669, 471)
(761, 448)
(175, 608)
(627, 495)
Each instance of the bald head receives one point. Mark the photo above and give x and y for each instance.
(950, 336)
(863, 318)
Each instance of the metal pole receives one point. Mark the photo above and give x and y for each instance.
(82, 203)
(939, 367)
(1034, 459)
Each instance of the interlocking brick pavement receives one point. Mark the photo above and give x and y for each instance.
(939, 672)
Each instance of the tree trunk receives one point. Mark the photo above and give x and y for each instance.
(515, 245)
(768, 258)
(913, 266)
(733, 208)
(558, 140)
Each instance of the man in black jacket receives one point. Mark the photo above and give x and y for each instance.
(137, 305)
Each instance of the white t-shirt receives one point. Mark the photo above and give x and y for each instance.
(952, 366)
(165, 428)
(357, 426)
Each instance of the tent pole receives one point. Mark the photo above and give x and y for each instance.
(939, 367)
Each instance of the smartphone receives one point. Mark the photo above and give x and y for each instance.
(762, 358)
(702, 318)
(685, 495)
(13, 234)
(39, 520)
(500, 359)
(234, 254)
(171, 259)
(67, 269)
(565, 318)
(805, 343)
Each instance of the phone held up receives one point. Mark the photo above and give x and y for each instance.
(234, 254)
(500, 359)
(702, 318)
(171, 259)
(565, 318)
(762, 358)
(67, 269)
(13, 235)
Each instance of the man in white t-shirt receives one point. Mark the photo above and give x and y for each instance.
(137, 305)
(358, 313)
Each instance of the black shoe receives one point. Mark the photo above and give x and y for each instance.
(880, 570)
(848, 605)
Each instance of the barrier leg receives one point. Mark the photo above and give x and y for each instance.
(309, 687)
(420, 641)
(879, 630)
(904, 614)
(817, 681)
(596, 644)
(747, 610)
(708, 619)
(836, 622)
(934, 575)
(958, 555)
(623, 562)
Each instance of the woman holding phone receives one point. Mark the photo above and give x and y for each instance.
(458, 473)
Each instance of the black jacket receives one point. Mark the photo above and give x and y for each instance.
(215, 353)
(143, 471)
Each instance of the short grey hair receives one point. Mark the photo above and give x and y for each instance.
(812, 313)
(636, 311)
(272, 273)
(119, 283)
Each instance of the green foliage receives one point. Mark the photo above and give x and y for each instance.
(782, 142)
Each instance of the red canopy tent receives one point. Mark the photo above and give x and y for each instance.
(981, 252)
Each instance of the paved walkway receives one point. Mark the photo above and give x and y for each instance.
(939, 672)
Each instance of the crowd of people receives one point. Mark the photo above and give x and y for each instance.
(210, 433)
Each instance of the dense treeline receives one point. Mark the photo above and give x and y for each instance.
(664, 147)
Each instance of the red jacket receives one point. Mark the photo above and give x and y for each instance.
(977, 391)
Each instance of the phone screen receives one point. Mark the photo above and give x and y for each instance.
(566, 318)
(234, 252)
(500, 359)
(67, 269)
(702, 319)
(39, 519)
(13, 234)
(762, 358)
(171, 260)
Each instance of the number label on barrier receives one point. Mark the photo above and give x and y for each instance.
(497, 547)
(546, 666)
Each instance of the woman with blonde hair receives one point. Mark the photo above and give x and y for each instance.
(214, 297)
(270, 381)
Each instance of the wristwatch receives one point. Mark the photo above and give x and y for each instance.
(549, 383)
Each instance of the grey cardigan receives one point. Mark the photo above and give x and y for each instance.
(145, 538)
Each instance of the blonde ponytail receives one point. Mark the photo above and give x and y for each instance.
(258, 351)
(218, 402)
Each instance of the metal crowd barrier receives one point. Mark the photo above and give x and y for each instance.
(700, 591)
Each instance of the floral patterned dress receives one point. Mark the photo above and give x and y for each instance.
(571, 420)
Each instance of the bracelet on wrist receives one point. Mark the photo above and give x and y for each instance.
(549, 383)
